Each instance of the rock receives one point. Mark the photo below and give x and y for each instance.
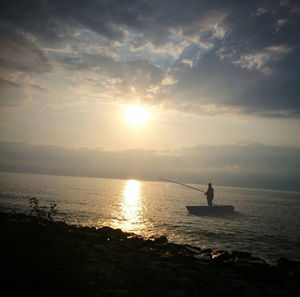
(118, 293)
(112, 234)
(286, 264)
(221, 255)
(257, 261)
(147, 249)
(170, 265)
(167, 254)
(205, 251)
(176, 293)
(203, 256)
(82, 262)
(241, 255)
(161, 240)
(237, 283)
(192, 249)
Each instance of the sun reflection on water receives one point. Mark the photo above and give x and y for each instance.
(131, 194)
(130, 213)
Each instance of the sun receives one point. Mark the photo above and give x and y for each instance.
(136, 114)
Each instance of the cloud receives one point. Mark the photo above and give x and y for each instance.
(249, 165)
(259, 61)
(19, 53)
(238, 57)
(168, 81)
(11, 93)
(188, 62)
(121, 81)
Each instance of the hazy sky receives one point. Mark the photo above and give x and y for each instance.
(209, 73)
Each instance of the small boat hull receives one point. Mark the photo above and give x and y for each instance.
(211, 210)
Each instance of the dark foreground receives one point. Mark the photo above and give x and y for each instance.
(43, 258)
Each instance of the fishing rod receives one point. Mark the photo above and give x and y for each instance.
(172, 181)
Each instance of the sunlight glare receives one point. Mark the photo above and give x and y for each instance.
(136, 114)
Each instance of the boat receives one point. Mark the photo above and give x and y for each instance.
(211, 210)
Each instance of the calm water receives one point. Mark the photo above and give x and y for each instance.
(267, 223)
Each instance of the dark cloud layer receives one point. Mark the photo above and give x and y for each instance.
(240, 56)
(246, 165)
(18, 52)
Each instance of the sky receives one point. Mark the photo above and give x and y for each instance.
(219, 82)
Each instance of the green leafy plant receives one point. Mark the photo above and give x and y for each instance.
(52, 211)
(38, 212)
(35, 209)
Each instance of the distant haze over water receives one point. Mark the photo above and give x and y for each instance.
(266, 223)
(241, 165)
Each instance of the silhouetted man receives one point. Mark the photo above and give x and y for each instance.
(209, 194)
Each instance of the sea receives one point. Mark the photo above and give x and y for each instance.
(265, 223)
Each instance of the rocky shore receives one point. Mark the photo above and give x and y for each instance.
(46, 258)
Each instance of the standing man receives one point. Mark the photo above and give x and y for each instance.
(209, 194)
